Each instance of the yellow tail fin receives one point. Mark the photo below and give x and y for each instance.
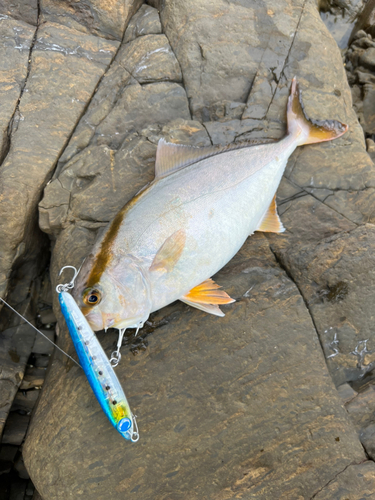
(308, 131)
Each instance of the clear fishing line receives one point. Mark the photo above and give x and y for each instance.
(41, 333)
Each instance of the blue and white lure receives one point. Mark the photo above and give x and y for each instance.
(97, 367)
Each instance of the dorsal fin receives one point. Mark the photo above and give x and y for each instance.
(271, 222)
(171, 157)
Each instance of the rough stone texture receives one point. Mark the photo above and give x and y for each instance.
(15, 42)
(145, 22)
(243, 406)
(104, 18)
(354, 483)
(214, 418)
(336, 278)
(24, 10)
(63, 75)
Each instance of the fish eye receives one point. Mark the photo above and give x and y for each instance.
(92, 297)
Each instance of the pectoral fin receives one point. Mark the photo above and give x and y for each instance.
(206, 297)
(271, 222)
(170, 252)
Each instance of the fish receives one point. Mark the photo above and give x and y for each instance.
(169, 240)
(98, 369)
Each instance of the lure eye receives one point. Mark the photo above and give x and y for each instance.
(92, 297)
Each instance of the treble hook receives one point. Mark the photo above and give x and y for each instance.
(67, 286)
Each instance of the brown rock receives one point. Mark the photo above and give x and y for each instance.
(54, 98)
(335, 278)
(210, 428)
(145, 22)
(107, 18)
(354, 482)
(150, 59)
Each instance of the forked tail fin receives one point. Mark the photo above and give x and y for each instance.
(306, 130)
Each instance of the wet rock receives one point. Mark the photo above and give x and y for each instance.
(335, 278)
(104, 19)
(41, 344)
(15, 42)
(63, 75)
(25, 400)
(226, 371)
(233, 406)
(145, 22)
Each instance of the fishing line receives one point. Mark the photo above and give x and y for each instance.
(41, 333)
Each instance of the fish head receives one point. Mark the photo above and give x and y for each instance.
(117, 297)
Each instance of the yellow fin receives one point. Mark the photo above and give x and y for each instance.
(208, 293)
(271, 222)
(208, 308)
(306, 130)
(170, 252)
(171, 157)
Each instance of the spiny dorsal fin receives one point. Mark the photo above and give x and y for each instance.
(271, 222)
(170, 252)
(171, 157)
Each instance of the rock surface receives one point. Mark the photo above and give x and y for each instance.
(237, 407)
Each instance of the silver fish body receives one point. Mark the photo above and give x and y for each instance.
(188, 223)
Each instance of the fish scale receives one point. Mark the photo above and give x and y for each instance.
(188, 223)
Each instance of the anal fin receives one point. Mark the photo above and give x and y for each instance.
(271, 222)
(207, 297)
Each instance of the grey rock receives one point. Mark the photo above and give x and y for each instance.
(145, 22)
(63, 75)
(34, 378)
(140, 105)
(362, 408)
(335, 277)
(367, 437)
(367, 59)
(150, 59)
(24, 10)
(41, 344)
(202, 385)
(103, 19)
(346, 393)
(15, 428)
(25, 400)
(354, 482)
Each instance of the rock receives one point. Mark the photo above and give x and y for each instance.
(16, 38)
(365, 21)
(47, 316)
(41, 344)
(16, 341)
(346, 393)
(25, 400)
(369, 108)
(243, 405)
(104, 19)
(367, 59)
(25, 10)
(7, 456)
(335, 278)
(15, 429)
(150, 59)
(354, 482)
(62, 78)
(139, 106)
(34, 378)
(226, 372)
(145, 22)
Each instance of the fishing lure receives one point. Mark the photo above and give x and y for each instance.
(97, 367)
